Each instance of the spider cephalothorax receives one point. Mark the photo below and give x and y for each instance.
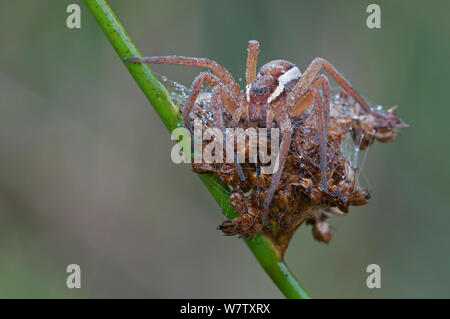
(275, 94)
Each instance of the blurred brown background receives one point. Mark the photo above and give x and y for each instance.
(86, 175)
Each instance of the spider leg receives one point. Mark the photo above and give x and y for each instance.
(321, 82)
(215, 67)
(237, 117)
(321, 113)
(284, 124)
(252, 59)
(196, 86)
(308, 77)
(219, 90)
(322, 126)
(269, 119)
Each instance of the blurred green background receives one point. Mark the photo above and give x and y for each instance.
(86, 175)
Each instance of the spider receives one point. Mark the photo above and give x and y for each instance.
(278, 92)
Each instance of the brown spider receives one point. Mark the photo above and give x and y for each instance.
(278, 92)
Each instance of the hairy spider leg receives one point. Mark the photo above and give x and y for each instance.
(219, 90)
(322, 113)
(196, 86)
(321, 110)
(250, 75)
(322, 119)
(310, 80)
(269, 119)
(252, 60)
(218, 93)
(215, 67)
(307, 78)
(283, 121)
(321, 82)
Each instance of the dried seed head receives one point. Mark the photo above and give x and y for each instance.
(299, 197)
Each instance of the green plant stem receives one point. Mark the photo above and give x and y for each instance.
(261, 246)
